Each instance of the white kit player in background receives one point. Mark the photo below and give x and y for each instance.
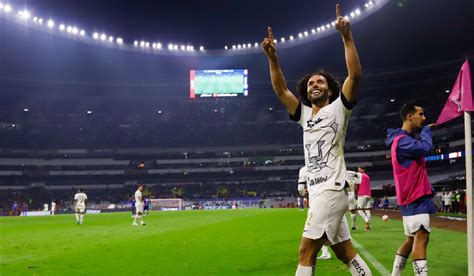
(139, 204)
(352, 179)
(302, 189)
(323, 113)
(80, 200)
(53, 207)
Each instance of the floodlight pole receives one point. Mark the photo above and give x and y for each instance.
(469, 192)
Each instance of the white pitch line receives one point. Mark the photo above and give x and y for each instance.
(380, 268)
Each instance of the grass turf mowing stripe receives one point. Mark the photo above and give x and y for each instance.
(380, 268)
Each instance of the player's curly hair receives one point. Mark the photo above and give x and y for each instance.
(333, 84)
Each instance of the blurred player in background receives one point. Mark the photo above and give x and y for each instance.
(80, 201)
(364, 197)
(352, 179)
(139, 203)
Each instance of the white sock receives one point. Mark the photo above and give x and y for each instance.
(325, 250)
(369, 215)
(353, 220)
(141, 219)
(77, 217)
(304, 271)
(362, 214)
(398, 265)
(81, 218)
(420, 267)
(358, 267)
(135, 219)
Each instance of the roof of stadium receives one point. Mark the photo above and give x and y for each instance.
(403, 33)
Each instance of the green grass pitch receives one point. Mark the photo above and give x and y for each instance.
(229, 242)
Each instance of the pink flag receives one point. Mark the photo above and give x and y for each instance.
(460, 98)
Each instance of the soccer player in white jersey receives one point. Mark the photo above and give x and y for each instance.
(139, 203)
(323, 113)
(352, 178)
(302, 189)
(80, 199)
(53, 207)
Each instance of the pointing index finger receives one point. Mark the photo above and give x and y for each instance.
(338, 11)
(270, 33)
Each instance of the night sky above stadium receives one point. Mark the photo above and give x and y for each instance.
(434, 28)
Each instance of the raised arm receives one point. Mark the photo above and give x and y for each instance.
(354, 69)
(288, 99)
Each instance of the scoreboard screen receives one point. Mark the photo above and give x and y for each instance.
(218, 83)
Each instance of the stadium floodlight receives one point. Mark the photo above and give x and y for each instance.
(392, 100)
(328, 26)
(239, 46)
(95, 36)
(313, 31)
(142, 43)
(40, 20)
(135, 43)
(7, 8)
(103, 37)
(111, 39)
(158, 45)
(225, 47)
(170, 47)
(82, 33)
(201, 48)
(357, 12)
(323, 28)
(291, 37)
(89, 112)
(256, 44)
(24, 14)
(26, 109)
(352, 14)
(69, 29)
(62, 27)
(159, 111)
(366, 5)
(282, 39)
(50, 23)
(153, 45)
(447, 91)
(75, 30)
(318, 29)
(35, 19)
(244, 46)
(147, 44)
(233, 47)
(182, 47)
(305, 33)
(346, 17)
(300, 35)
(175, 47)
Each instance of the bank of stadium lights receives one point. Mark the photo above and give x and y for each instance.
(304, 34)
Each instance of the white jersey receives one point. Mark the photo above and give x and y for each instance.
(353, 178)
(303, 175)
(323, 139)
(53, 206)
(80, 199)
(138, 198)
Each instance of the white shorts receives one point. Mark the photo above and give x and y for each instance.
(80, 209)
(139, 208)
(326, 215)
(352, 203)
(363, 202)
(411, 224)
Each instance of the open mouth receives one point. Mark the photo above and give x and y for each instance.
(316, 92)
